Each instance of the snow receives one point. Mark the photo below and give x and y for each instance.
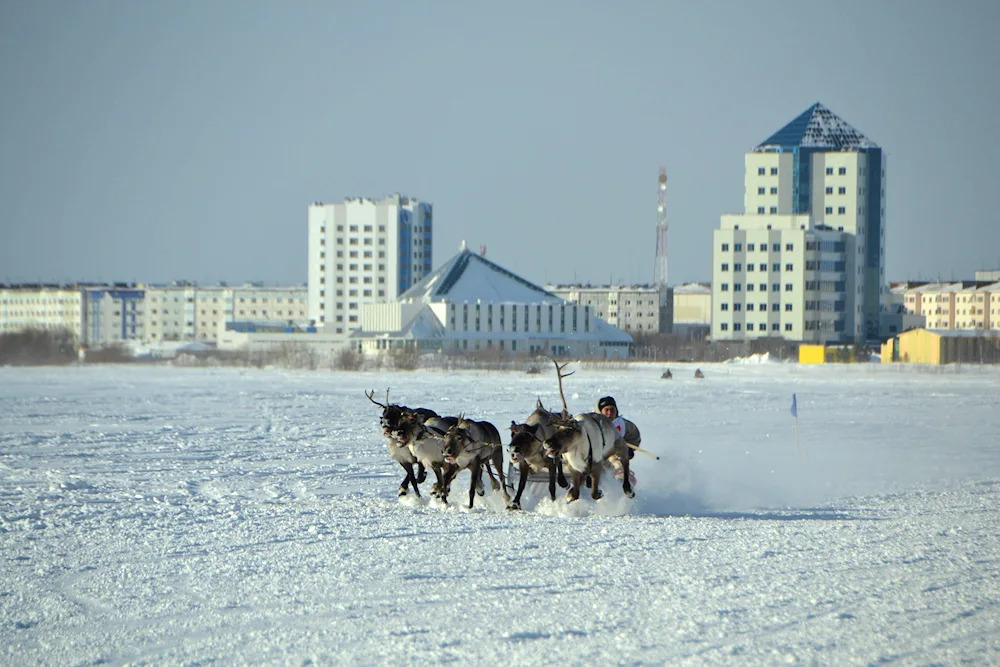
(189, 516)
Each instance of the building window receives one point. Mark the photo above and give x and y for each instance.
(775, 307)
(761, 171)
(788, 326)
(763, 267)
(750, 247)
(776, 267)
(750, 307)
(776, 247)
(788, 287)
(789, 246)
(763, 287)
(760, 210)
(829, 171)
(761, 190)
(737, 287)
(829, 210)
(774, 191)
(725, 267)
(750, 266)
(842, 171)
(725, 326)
(725, 247)
(841, 210)
(841, 191)
(738, 247)
(774, 171)
(829, 190)
(725, 287)
(749, 325)
(737, 306)
(736, 326)
(737, 267)
(725, 306)
(774, 210)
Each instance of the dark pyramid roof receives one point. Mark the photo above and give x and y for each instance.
(471, 277)
(818, 127)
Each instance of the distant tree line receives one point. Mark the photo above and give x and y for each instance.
(37, 347)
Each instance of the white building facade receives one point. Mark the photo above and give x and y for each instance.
(472, 305)
(364, 251)
(815, 198)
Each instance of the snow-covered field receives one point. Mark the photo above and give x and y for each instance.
(195, 516)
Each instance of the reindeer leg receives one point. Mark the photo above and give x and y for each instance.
(437, 490)
(522, 480)
(421, 473)
(574, 493)
(552, 480)
(595, 479)
(477, 475)
(449, 476)
(560, 477)
(626, 482)
(498, 462)
(408, 480)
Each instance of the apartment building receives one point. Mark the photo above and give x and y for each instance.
(955, 305)
(187, 312)
(364, 251)
(634, 308)
(41, 306)
(814, 212)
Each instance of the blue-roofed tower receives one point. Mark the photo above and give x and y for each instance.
(816, 174)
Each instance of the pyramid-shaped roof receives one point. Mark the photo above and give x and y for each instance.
(471, 277)
(818, 127)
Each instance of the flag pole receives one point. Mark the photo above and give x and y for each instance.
(795, 413)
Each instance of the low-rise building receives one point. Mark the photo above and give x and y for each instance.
(471, 304)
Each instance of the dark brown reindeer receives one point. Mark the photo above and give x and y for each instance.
(393, 416)
(527, 444)
(472, 445)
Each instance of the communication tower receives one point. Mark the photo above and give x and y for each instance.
(660, 268)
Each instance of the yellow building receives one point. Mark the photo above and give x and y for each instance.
(943, 346)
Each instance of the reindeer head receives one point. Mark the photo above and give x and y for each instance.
(523, 440)
(456, 439)
(566, 431)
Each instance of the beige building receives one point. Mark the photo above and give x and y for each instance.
(36, 306)
(814, 216)
(955, 305)
(634, 308)
(693, 305)
(364, 251)
(187, 312)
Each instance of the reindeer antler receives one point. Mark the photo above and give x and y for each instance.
(371, 397)
(562, 375)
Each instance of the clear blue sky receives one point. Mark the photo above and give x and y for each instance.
(152, 141)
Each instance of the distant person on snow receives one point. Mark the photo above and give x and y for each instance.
(628, 431)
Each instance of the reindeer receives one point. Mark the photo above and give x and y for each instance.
(527, 444)
(391, 419)
(585, 442)
(425, 440)
(473, 445)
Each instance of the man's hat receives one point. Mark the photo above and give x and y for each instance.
(605, 402)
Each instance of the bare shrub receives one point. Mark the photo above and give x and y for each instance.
(349, 359)
(404, 358)
(37, 347)
(114, 353)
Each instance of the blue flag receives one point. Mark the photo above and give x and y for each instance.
(795, 407)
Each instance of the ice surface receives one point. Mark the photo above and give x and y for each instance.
(189, 516)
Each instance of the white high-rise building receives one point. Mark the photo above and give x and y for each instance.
(364, 251)
(806, 259)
